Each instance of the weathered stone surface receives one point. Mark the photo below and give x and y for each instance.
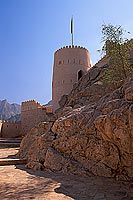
(38, 148)
(31, 137)
(35, 165)
(98, 136)
(62, 111)
(90, 139)
(83, 145)
(129, 93)
(60, 163)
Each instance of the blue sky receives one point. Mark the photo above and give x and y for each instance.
(32, 30)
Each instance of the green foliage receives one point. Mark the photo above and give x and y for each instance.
(117, 51)
(112, 33)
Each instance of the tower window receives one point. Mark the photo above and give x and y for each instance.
(80, 74)
(68, 61)
(60, 62)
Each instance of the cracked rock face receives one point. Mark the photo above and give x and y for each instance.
(91, 139)
(89, 89)
(34, 145)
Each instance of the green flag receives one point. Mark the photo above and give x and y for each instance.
(72, 32)
(72, 25)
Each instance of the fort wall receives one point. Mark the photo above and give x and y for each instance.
(10, 129)
(0, 128)
(49, 109)
(32, 113)
(70, 63)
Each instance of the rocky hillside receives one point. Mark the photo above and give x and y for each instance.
(8, 110)
(89, 89)
(92, 133)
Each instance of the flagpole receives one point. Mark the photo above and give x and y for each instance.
(72, 30)
(72, 33)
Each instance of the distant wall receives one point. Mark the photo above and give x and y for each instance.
(0, 128)
(32, 113)
(10, 129)
(49, 109)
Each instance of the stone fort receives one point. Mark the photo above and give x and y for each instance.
(70, 64)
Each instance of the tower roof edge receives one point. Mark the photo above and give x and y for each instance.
(71, 47)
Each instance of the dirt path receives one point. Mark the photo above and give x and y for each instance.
(8, 152)
(19, 183)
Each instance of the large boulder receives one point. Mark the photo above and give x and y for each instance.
(98, 136)
(34, 145)
(94, 138)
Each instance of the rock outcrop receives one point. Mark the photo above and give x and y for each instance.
(35, 144)
(93, 134)
(89, 89)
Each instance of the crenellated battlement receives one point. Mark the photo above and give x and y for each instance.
(31, 102)
(30, 105)
(71, 47)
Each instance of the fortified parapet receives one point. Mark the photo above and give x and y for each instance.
(30, 105)
(32, 113)
(70, 63)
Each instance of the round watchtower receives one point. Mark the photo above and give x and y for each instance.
(70, 63)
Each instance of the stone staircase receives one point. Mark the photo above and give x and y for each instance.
(8, 149)
(9, 142)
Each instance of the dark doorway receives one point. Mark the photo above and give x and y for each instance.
(80, 74)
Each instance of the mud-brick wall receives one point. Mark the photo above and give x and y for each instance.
(31, 118)
(32, 113)
(10, 129)
(0, 128)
